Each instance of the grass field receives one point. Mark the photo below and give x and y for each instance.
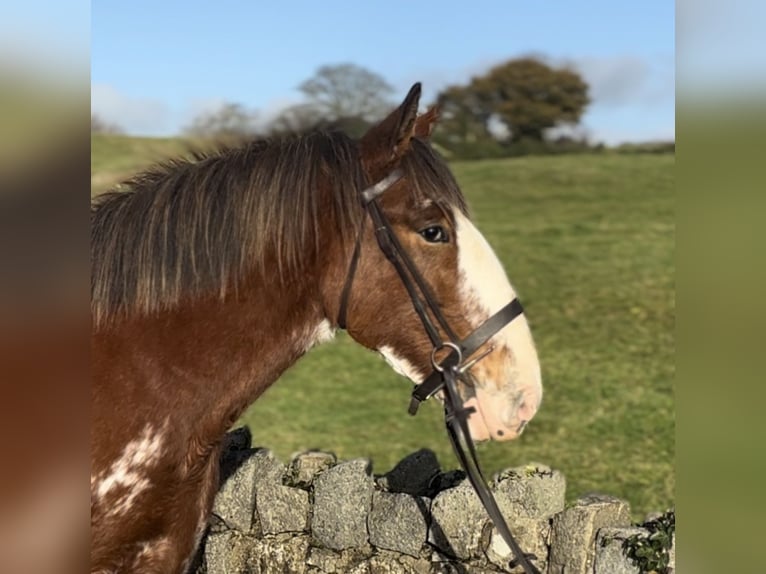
(588, 242)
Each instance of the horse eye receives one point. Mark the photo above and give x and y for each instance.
(434, 234)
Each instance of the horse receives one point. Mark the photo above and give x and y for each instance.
(211, 275)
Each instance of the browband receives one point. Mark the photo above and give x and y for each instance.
(378, 188)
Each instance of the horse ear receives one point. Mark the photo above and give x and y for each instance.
(425, 124)
(384, 144)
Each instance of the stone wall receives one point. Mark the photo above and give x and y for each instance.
(317, 514)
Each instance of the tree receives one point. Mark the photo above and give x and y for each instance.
(344, 97)
(529, 96)
(347, 91)
(518, 100)
(463, 120)
(100, 126)
(229, 120)
(297, 119)
(304, 118)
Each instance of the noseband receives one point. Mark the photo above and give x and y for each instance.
(446, 373)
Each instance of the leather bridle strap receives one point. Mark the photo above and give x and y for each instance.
(367, 196)
(408, 273)
(343, 309)
(456, 419)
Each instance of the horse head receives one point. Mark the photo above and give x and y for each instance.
(426, 212)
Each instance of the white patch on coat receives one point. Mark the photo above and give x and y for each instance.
(485, 289)
(129, 471)
(401, 365)
(321, 333)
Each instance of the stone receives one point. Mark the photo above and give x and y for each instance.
(340, 562)
(361, 568)
(243, 474)
(304, 467)
(456, 567)
(398, 522)
(269, 470)
(284, 509)
(527, 497)
(532, 537)
(226, 552)
(234, 502)
(610, 555)
(342, 500)
(445, 480)
(574, 531)
(532, 491)
(277, 555)
(385, 562)
(324, 559)
(414, 474)
(457, 521)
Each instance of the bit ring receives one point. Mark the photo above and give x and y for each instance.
(451, 345)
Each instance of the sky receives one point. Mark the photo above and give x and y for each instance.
(157, 65)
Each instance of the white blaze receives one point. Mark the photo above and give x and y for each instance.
(483, 280)
(485, 290)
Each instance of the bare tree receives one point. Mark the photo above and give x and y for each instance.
(347, 91)
(229, 120)
(296, 119)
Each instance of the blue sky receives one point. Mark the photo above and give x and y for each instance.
(155, 65)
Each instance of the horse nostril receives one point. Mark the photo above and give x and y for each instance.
(526, 409)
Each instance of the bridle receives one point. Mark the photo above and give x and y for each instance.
(446, 373)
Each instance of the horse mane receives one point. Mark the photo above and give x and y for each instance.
(196, 226)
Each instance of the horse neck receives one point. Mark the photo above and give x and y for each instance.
(214, 357)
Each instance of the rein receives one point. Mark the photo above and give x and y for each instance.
(446, 373)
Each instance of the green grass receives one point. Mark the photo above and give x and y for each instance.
(588, 242)
(114, 158)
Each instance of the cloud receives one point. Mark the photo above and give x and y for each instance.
(270, 110)
(633, 98)
(198, 106)
(145, 116)
(193, 109)
(153, 117)
(264, 115)
(435, 80)
(615, 81)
